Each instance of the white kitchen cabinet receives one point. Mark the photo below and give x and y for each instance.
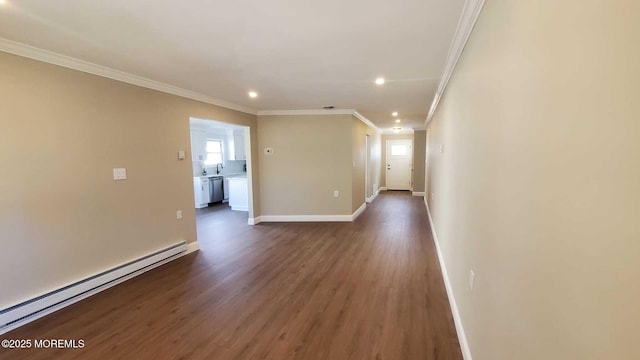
(201, 192)
(198, 145)
(238, 197)
(238, 145)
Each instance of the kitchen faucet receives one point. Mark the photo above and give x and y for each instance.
(219, 168)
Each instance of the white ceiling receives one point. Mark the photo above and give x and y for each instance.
(296, 54)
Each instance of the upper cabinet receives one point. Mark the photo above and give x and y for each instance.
(238, 145)
(198, 145)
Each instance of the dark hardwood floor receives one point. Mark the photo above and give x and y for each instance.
(371, 289)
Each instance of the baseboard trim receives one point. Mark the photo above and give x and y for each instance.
(457, 320)
(23, 313)
(358, 211)
(254, 221)
(418, 193)
(373, 197)
(311, 218)
(192, 247)
(306, 218)
(384, 188)
(240, 208)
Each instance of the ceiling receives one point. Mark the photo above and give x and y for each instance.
(297, 55)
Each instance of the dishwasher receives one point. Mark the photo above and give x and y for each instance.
(215, 189)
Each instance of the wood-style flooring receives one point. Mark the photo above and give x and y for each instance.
(371, 289)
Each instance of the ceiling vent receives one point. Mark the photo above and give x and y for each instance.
(330, 107)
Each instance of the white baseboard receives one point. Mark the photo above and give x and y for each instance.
(305, 218)
(23, 313)
(254, 221)
(384, 188)
(311, 218)
(192, 247)
(464, 344)
(240, 208)
(418, 193)
(373, 197)
(358, 211)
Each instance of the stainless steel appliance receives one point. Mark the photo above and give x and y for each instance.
(215, 189)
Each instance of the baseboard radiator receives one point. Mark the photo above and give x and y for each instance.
(30, 310)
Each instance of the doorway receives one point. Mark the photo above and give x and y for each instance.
(221, 160)
(399, 158)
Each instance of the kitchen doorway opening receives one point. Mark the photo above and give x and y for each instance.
(222, 177)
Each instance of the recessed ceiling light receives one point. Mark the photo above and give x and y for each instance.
(380, 81)
(397, 120)
(2, 2)
(251, 93)
(395, 113)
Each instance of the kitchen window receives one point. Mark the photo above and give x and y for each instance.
(214, 152)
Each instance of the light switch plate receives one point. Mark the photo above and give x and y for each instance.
(180, 154)
(119, 174)
(179, 214)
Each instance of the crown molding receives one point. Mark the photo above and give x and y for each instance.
(307, 112)
(50, 57)
(367, 121)
(322, 112)
(470, 13)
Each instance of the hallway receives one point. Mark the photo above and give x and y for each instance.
(371, 289)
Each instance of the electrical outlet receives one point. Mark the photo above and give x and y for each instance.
(179, 214)
(472, 277)
(336, 193)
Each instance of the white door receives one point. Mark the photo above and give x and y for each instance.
(399, 158)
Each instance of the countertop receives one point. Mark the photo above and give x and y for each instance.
(228, 176)
(237, 176)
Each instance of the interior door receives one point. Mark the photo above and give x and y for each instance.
(399, 164)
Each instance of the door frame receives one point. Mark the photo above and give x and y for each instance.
(386, 163)
(249, 160)
(366, 167)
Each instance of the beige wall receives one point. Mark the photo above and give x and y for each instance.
(359, 133)
(383, 155)
(538, 187)
(419, 153)
(311, 159)
(62, 217)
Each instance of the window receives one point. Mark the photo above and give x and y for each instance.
(398, 150)
(214, 152)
